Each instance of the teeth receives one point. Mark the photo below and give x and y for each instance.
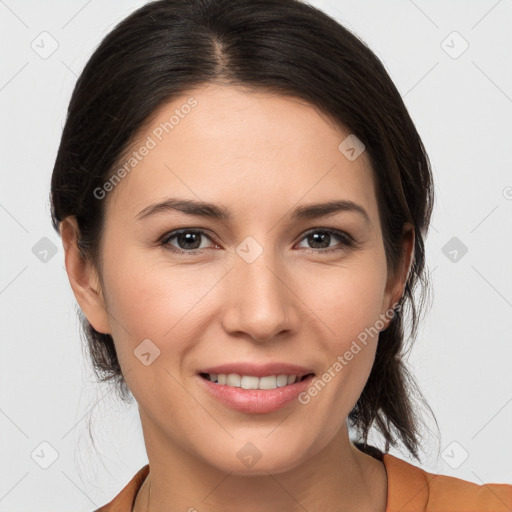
(251, 382)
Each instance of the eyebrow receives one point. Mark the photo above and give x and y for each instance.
(210, 210)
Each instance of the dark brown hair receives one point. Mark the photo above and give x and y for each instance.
(282, 46)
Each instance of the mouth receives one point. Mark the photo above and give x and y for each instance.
(251, 394)
(256, 389)
(267, 382)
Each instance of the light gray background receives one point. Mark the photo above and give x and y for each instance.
(462, 106)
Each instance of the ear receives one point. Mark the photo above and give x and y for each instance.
(396, 283)
(83, 278)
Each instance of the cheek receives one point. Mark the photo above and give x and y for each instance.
(348, 305)
(162, 303)
(155, 300)
(349, 299)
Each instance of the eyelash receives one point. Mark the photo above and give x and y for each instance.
(345, 239)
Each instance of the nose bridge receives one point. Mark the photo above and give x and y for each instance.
(260, 304)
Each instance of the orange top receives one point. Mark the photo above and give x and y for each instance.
(410, 489)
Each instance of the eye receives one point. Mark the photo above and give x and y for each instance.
(321, 238)
(188, 240)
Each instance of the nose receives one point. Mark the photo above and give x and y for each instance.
(260, 301)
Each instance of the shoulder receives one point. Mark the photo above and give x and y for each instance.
(123, 502)
(412, 489)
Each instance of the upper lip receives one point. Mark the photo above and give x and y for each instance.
(258, 370)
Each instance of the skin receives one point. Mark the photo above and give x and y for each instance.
(261, 155)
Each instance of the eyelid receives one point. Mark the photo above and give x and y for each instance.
(337, 232)
(164, 239)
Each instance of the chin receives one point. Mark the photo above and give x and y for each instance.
(254, 457)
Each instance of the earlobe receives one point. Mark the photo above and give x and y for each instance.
(395, 288)
(83, 277)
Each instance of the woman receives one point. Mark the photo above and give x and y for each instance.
(243, 200)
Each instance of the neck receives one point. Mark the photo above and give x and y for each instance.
(339, 477)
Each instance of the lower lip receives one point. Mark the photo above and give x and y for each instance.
(256, 401)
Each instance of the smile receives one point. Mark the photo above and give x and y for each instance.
(252, 382)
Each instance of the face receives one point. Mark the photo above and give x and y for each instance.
(186, 292)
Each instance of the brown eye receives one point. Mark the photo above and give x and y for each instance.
(322, 238)
(187, 241)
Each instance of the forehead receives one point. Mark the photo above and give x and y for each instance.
(243, 148)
